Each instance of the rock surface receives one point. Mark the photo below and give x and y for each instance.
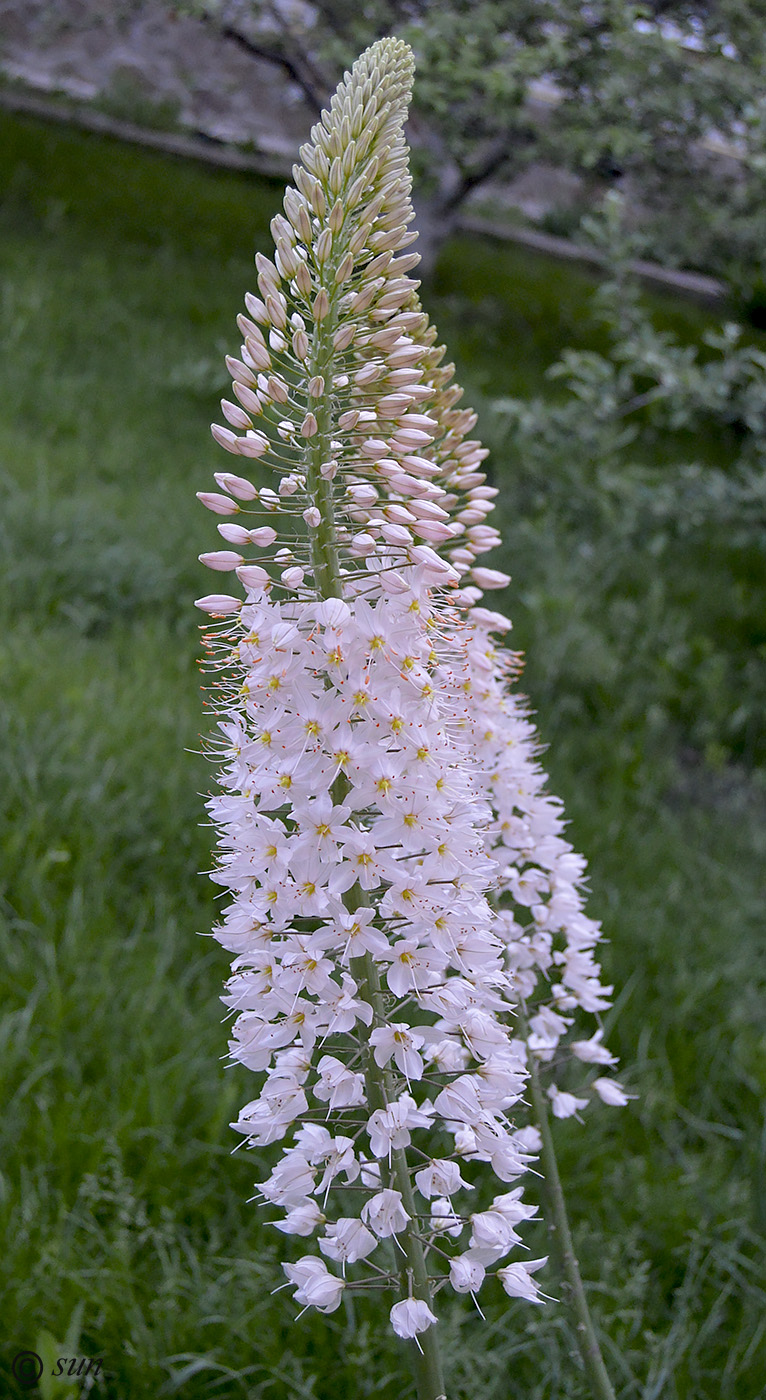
(145, 65)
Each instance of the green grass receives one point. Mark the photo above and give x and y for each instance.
(121, 275)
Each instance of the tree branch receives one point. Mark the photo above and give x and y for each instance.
(296, 64)
(495, 157)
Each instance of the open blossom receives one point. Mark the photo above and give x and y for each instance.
(564, 1105)
(410, 1317)
(397, 880)
(347, 1241)
(440, 1179)
(315, 1286)
(466, 1274)
(385, 1214)
(609, 1091)
(518, 1282)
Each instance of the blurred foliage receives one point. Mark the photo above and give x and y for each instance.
(637, 530)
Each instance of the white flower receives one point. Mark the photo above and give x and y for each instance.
(592, 1052)
(390, 1127)
(492, 1235)
(564, 1104)
(444, 1220)
(401, 1042)
(440, 1178)
(377, 779)
(517, 1282)
(385, 1214)
(512, 1207)
(347, 1241)
(339, 1086)
(611, 1092)
(466, 1274)
(291, 1181)
(410, 1317)
(302, 1220)
(315, 1285)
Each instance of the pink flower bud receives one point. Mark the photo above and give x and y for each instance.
(254, 445)
(420, 420)
(407, 438)
(235, 415)
(240, 372)
(343, 337)
(277, 389)
(399, 515)
(247, 398)
(363, 495)
(490, 578)
(434, 530)
(396, 534)
(256, 308)
(253, 576)
(218, 603)
(375, 448)
(426, 510)
(263, 536)
(323, 246)
(258, 354)
(420, 465)
(225, 437)
(235, 534)
(363, 544)
(237, 486)
(220, 505)
(224, 560)
(439, 568)
(368, 373)
(333, 612)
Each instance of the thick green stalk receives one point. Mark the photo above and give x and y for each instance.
(425, 1358)
(561, 1237)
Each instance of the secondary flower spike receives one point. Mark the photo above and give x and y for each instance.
(372, 764)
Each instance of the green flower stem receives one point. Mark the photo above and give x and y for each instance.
(561, 1236)
(324, 552)
(426, 1360)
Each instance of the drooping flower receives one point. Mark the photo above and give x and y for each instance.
(410, 1317)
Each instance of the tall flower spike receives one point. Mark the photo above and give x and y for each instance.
(368, 981)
